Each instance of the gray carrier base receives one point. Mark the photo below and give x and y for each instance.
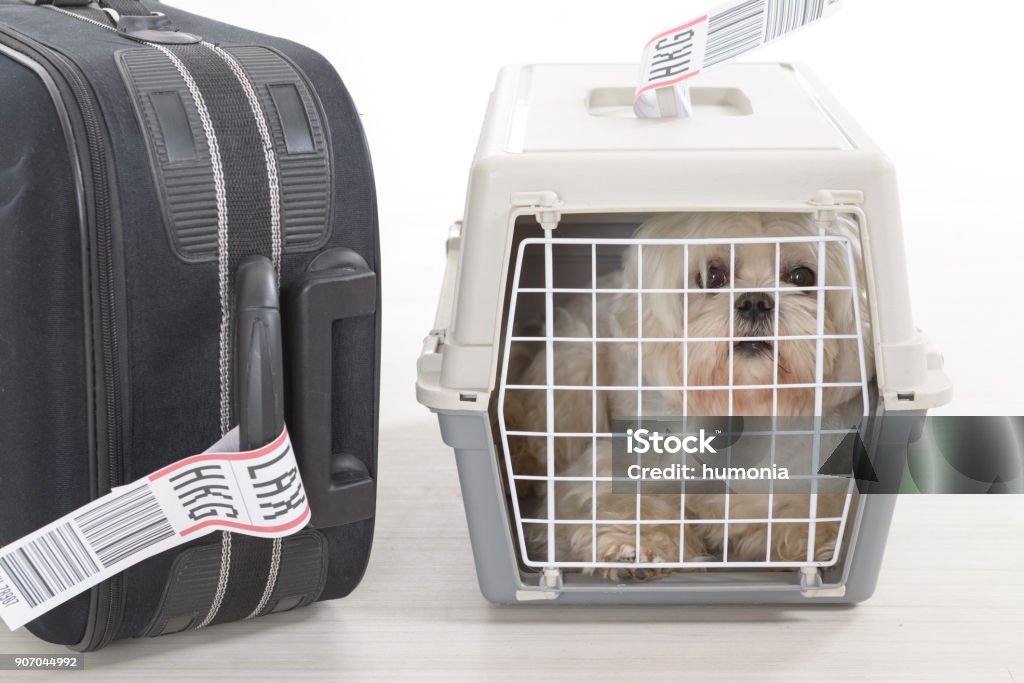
(504, 581)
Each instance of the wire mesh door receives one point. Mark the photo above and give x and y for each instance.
(688, 329)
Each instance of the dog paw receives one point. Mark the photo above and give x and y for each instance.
(620, 549)
(626, 555)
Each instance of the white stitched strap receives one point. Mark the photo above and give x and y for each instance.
(274, 194)
(223, 276)
(222, 581)
(270, 155)
(268, 590)
(223, 253)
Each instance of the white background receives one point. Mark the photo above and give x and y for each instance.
(931, 81)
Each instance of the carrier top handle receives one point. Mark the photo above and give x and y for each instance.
(259, 372)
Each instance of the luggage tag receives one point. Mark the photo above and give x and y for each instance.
(730, 31)
(256, 493)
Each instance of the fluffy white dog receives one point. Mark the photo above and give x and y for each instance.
(708, 312)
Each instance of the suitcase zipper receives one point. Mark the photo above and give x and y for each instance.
(111, 604)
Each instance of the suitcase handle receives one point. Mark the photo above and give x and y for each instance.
(337, 286)
(258, 366)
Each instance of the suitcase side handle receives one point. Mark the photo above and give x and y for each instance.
(259, 370)
(337, 286)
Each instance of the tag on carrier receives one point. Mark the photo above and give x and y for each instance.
(257, 493)
(737, 28)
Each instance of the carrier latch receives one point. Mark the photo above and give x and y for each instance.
(433, 342)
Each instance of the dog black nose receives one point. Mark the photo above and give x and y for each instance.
(755, 308)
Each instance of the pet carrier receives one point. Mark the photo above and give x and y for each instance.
(612, 272)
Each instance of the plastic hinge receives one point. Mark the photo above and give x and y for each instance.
(832, 201)
(551, 579)
(545, 203)
(550, 587)
(812, 586)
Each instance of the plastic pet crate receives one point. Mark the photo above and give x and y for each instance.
(586, 230)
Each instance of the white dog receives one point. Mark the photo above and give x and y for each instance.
(710, 312)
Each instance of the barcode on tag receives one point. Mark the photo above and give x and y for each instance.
(673, 57)
(48, 566)
(735, 31)
(258, 493)
(786, 16)
(125, 525)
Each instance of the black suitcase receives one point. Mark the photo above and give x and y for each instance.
(160, 173)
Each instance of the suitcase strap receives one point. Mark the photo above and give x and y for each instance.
(248, 580)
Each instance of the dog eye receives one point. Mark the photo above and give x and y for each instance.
(802, 277)
(717, 278)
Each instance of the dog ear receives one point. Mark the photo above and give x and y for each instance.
(661, 270)
(663, 264)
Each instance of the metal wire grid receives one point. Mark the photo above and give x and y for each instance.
(548, 243)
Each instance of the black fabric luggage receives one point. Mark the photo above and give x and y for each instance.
(160, 173)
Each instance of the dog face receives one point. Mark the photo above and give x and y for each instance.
(760, 304)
